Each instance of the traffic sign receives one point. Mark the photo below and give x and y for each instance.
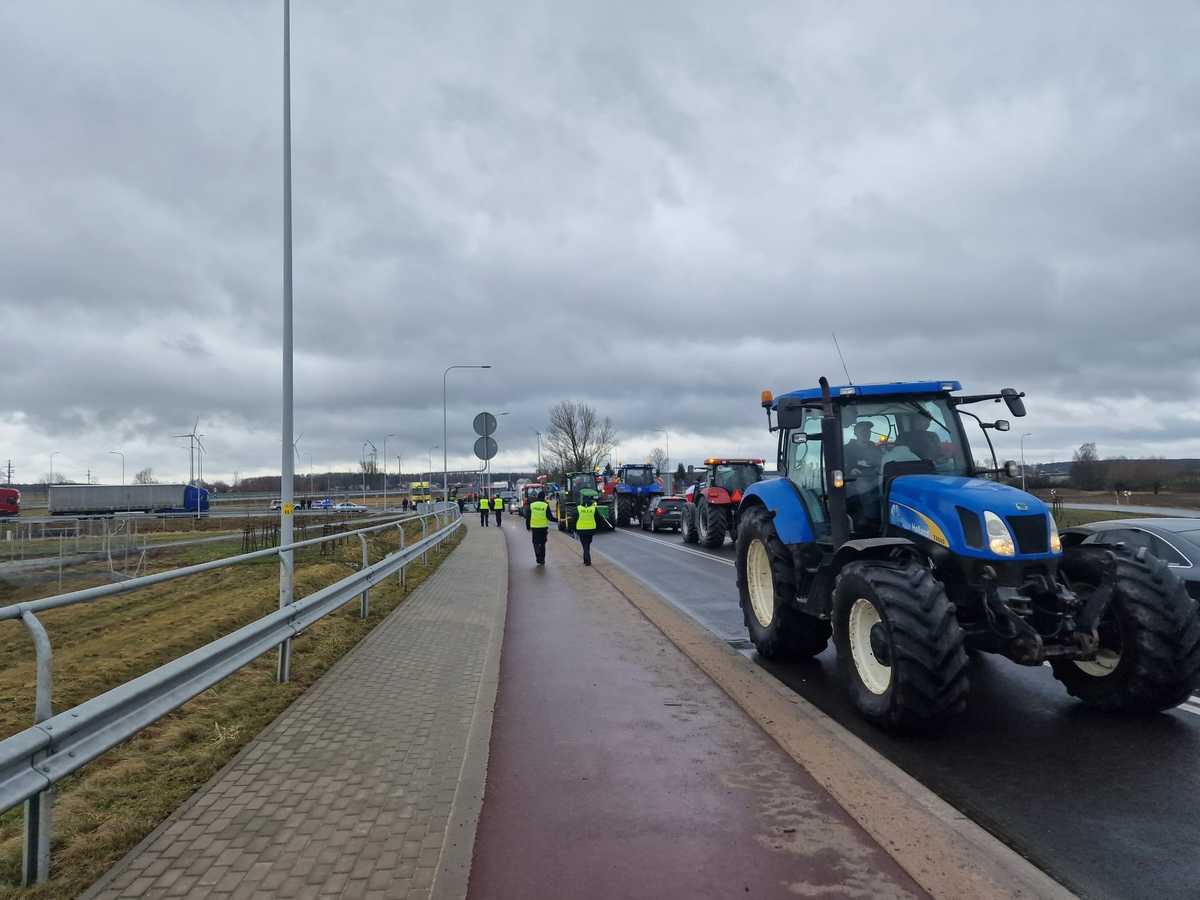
(485, 424)
(486, 446)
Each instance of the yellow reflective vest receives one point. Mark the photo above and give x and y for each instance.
(537, 514)
(587, 517)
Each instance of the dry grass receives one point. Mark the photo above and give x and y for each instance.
(1069, 518)
(102, 811)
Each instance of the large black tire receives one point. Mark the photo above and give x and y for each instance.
(777, 629)
(710, 523)
(908, 670)
(687, 524)
(1152, 626)
(622, 512)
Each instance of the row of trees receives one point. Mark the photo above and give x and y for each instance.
(577, 439)
(1091, 473)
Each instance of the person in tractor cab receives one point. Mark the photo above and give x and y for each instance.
(861, 452)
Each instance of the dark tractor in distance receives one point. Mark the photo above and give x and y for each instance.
(884, 535)
(636, 486)
(578, 485)
(711, 511)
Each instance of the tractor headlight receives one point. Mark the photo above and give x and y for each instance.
(1000, 539)
(1055, 541)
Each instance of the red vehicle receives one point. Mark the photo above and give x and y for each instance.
(712, 503)
(10, 501)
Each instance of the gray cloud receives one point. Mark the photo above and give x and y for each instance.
(658, 210)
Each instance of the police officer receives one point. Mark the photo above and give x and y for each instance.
(538, 521)
(497, 507)
(483, 511)
(585, 526)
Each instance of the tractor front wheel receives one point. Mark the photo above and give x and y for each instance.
(687, 524)
(900, 647)
(710, 522)
(1149, 657)
(767, 589)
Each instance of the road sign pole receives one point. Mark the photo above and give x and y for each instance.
(286, 494)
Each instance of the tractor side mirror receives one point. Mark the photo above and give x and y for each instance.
(1013, 401)
(1011, 469)
(799, 437)
(1002, 425)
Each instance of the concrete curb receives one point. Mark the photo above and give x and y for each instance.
(946, 853)
(452, 878)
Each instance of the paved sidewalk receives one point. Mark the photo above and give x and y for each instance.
(619, 769)
(352, 791)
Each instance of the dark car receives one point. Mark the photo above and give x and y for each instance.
(663, 512)
(1176, 541)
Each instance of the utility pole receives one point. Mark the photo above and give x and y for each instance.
(9, 476)
(287, 449)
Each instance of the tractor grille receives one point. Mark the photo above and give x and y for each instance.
(1032, 533)
(972, 529)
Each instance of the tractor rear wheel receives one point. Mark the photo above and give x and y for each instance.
(710, 523)
(622, 512)
(1149, 657)
(900, 647)
(767, 588)
(687, 524)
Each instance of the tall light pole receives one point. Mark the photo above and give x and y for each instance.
(445, 442)
(122, 455)
(1025, 435)
(287, 450)
(385, 459)
(539, 442)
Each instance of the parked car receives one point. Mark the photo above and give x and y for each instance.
(324, 503)
(276, 504)
(347, 506)
(661, 513)
(1176, 541)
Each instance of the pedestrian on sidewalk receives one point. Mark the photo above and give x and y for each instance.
(538, 523)
(585, 526)
(497, 508)
(483, 511)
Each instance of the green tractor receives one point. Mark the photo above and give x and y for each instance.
(884, 535)
(578, 485)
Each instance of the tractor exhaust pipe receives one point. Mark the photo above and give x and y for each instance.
(835, 484)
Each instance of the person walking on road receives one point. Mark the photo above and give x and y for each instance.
(483, 511)
(585, 526)
(497, 508)
(538, 521)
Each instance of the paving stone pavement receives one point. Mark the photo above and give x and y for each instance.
(349, 793)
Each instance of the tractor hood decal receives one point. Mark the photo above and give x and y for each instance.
(937, 496)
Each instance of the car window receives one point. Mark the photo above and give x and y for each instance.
(1166, 552)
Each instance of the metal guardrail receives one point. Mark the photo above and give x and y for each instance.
(32, 761)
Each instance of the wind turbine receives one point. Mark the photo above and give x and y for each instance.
(193, 442)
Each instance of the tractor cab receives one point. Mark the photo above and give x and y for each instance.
(884, 534)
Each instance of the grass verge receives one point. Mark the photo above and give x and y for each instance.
(103, 811)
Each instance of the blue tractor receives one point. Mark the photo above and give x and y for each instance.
(636, 486)
(884, 535)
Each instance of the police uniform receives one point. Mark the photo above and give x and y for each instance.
(483, 511)
(585, 527)
(497, 506)
(539, 521)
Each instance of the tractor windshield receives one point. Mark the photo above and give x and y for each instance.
(736, 476)
(639, 477)
(885, 431)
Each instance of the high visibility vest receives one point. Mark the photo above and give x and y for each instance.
(587, 517)
(537, 514)
(489, 504)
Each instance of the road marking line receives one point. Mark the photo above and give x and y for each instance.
(679, 547)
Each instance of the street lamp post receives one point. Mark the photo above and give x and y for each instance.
(1025, 435)
(539, 445)
(445, 442)
(385, 459)
(122, 455)
(287, 449)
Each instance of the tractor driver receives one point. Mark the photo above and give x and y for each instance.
(861, 453)
(863, 459)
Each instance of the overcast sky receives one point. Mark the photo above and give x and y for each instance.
(657, 208)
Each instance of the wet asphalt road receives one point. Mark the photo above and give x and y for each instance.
(1107, 805)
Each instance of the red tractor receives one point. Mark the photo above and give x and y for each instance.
(712, 503)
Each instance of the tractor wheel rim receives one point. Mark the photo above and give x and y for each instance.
(760, 583)
(1106, 662)
(875, 675)
(701, 523)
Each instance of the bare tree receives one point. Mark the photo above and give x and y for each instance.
(146, 476)
(658, 459)
(577, 438)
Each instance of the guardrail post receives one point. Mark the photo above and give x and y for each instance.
(403, 569)
(35, 858)
(365, 603)
(425, 554)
